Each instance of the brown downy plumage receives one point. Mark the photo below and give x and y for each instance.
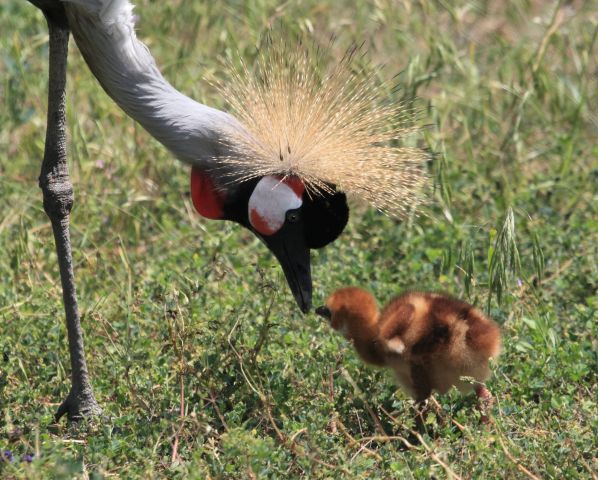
(430, 340)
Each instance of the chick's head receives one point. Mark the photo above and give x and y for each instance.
(352, 311)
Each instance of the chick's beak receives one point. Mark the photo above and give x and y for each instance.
(324, 311)
(292, 252)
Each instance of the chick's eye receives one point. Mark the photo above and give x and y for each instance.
(293, 216)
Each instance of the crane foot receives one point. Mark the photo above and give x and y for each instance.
(78, 406)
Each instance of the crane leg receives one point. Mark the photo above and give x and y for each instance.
(58, 201)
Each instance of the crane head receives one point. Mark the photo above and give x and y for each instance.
(279, 211)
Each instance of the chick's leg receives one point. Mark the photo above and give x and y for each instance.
(485, 402)
(422, 387)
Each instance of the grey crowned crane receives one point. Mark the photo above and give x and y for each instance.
(280, 167)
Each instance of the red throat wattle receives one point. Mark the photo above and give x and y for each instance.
(207, 200)
(295, 184)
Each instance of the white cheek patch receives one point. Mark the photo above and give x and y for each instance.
(270, 201)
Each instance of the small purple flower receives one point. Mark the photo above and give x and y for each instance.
(7, 456)
(519, 283)
(100, 163)
(28, 457)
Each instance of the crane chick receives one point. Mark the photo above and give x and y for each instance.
(430, 340)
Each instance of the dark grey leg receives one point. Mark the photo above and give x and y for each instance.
(58, 201)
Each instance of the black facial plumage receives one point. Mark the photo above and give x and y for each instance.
(324, 215)
(316, 223)
(325, 218)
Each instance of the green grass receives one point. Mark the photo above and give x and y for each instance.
(174, 306)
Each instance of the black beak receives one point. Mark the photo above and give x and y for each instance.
(315, 224)
(290, 248)
(324, 311)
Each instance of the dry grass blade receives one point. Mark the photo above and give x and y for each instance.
(326, 126)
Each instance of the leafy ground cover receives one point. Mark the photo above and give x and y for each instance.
(203, 365)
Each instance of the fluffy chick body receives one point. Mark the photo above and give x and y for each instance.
(430, 340)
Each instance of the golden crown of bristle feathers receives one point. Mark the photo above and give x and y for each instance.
(325, 128)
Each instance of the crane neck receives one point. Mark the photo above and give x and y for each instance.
(127, 71)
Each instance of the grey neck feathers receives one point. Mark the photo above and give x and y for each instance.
(128, 73)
